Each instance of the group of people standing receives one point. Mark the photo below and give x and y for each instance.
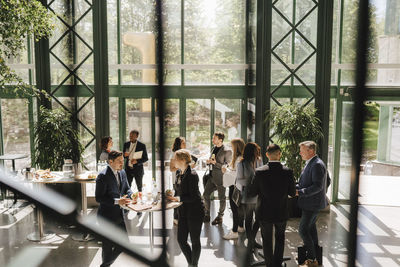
(258, 194)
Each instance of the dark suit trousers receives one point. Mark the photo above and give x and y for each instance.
(130, 174)
(236, 215)
(308, 231)
(273, 259)
(188, 226)
(109, 251)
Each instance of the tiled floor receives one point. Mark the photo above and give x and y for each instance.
(379, 240)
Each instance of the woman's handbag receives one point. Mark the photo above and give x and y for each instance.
(207, 176)
(236, 196)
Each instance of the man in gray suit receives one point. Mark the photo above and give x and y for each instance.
(312, 198)
(220, 155)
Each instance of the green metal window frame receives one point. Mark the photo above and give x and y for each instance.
(260, 91)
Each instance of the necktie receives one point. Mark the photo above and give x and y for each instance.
(118, 181)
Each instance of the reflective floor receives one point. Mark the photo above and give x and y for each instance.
(379, 239)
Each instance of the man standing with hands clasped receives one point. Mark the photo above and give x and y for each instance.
(134, 161)
(312, 198)
(272, 184)
(112, 192)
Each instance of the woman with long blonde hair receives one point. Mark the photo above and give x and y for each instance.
(229, 181)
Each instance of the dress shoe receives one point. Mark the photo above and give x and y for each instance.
(217, 220)
(231, 235)
(310, 263)
(206, 219)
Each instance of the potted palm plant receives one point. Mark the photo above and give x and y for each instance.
(292, 124)
(55, 140)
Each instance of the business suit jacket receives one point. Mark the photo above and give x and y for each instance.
(312, 186)
(107, 191)
(189, 193)
(272, 184)
(223, 156)
(137, 168)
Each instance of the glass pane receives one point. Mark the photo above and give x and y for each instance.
(138, 117)
(381, 155)
(198, 127)
(395, 125)
(61, 49)
(214, 77)
(15, 62)
(15, 123)
(171, 122)
(114, 122)
(171, 131)
(227, 118)
(332, 116)
(67, 103)
(251, 120)
(385, 43)
(138, 40)
(349, 34)
(112, 28)
(214, 34)
(86, 130)
(345, 150)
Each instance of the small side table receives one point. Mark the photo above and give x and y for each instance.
(6, 219)
(13, 157)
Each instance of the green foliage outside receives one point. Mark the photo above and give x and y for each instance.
(370, 131)
(18, 20)
(55, 140)
(293, 124)
(349, 38)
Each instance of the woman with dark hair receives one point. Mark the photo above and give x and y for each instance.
(191, 212)
(246, 170)
(230, 173)
(105, 145)
(180, 143)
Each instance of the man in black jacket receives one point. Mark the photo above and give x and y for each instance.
(272, 184)
(112, 192)
(134, 166)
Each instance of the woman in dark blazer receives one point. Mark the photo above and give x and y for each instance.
(191, 212)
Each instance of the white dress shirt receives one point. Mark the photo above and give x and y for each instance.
(132, 148)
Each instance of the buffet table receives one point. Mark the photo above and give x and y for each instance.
(58, 178)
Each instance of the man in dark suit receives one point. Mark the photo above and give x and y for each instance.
(112, 192)
(134, 167)
(220, 155)
(272, 184)
(312, 198)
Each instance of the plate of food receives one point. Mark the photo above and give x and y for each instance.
(45, 175)
(86, 176)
